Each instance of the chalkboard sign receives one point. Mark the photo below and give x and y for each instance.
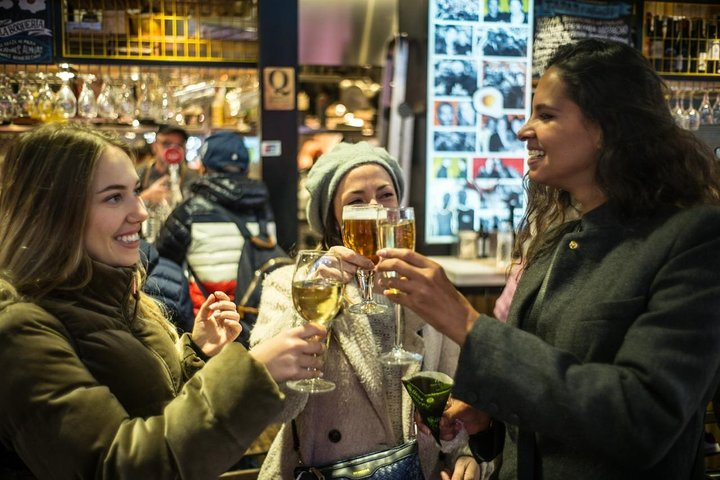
(25, 33)
(560, 21)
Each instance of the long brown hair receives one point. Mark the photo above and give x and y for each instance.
(45, 192)
(646, 161)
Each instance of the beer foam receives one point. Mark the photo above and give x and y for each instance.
(363, 212)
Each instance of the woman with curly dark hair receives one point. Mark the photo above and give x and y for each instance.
(610, 353)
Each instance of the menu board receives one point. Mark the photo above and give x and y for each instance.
(562, 21)
(479, 88)
(25, 35)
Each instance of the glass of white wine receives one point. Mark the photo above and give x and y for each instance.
(396, 229)
(359, 233)
(317, 288)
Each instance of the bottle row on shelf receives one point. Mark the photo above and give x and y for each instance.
(683, 45)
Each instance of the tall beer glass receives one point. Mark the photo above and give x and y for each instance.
(317, 292)
(359, 232)
(396, 229)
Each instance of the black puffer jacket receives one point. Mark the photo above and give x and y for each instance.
(200, 232)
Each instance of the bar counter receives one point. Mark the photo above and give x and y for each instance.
(478, 279)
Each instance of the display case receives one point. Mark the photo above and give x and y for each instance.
(160, 30)
(682, 39)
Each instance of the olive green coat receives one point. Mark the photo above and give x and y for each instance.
(91, 391)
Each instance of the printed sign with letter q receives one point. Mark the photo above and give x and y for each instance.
(279, 88)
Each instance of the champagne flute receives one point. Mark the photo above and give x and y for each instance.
(396, 229)
(317, 288)
(359, 234)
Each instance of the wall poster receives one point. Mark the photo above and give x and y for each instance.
(25, 31)
(479, 89)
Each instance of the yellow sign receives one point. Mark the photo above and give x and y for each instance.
(279, 88)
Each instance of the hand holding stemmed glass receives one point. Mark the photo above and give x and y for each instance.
(359, 232)
(317, 287)
(396, 229)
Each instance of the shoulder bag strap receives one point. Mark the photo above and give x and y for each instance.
(198, 282)
(262, 241)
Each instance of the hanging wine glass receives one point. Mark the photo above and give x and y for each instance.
(706, 110)
(678, 112)
(87, 102)
(166, 103)
(716, 110)
(45, 101)
(106, 105)
(693, 116)
(7, 101)
(145, 109)
(65, 101)
(24, 99)
(125, 102)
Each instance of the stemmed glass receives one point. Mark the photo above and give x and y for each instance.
(87, 104)
(716, 109)
(65, 100)
(24, 98)
(317, 288)
(693, 116)
(396, 229)
(678, 111)
(706, 110)
(45, 100)
(7, 101)
(106, 102)
(359, 234)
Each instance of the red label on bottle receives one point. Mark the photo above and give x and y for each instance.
(173, 155)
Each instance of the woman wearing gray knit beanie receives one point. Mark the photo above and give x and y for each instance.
(369, 410)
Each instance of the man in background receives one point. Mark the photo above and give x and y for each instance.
(155, 176)
(202, 232)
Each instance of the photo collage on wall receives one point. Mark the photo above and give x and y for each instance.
(479, 82)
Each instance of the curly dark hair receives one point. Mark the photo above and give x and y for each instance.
(646, 161)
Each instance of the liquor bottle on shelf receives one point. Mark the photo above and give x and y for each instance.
(680, 50)
(694, 41)
(656, 42)
(668, 52)
(713, 47)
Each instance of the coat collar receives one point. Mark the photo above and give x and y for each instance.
(110, 289)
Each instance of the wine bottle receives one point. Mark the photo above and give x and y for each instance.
(668, 54)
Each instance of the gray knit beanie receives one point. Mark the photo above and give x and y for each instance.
(324, 177)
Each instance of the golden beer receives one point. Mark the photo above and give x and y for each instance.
(317, 300)
(397, 235)
(360, 235)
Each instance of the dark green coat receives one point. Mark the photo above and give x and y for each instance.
(616, 373)
(90, 391)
